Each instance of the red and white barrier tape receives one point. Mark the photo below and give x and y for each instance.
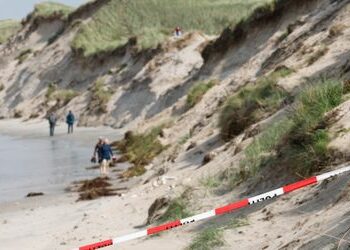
(218, 211)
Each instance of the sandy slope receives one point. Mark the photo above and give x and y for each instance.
(153, 91)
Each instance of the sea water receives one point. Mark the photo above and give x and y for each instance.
(45, 165)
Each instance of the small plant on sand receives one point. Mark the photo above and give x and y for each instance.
(209, 238)
(62, 96)
(251, 104)
(336, 30)
(197, 92)
(321, 51)
(237, 222)
(140, 149)
(210, 182)
(178, 208)
(2, 87)
(100, 96)
(23, 55)
(213, 236)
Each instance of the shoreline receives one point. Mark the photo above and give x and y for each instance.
(35, 132)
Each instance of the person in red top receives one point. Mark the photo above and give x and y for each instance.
(178, 31)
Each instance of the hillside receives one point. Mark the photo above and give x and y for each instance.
(254, 95)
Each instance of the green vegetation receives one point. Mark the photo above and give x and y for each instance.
(48, 9)
(184, 139)
(62, 96)
(23, 55)
(1, 87)
(197, 92)
(213, 237)
(299, 141)
(100, 96)
(251, 104)
(8, 28)
(140, 149)
(210, 182)
(177, 210)
(210, 238)
(151, 21)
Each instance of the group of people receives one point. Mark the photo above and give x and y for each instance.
(103, 154)
(70, 119)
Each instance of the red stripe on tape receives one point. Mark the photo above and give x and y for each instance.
(231, 207)
(299, 184)
(163, 227)
(94, 246)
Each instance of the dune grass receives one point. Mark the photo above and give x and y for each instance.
(177, 210)
(212, 237)
(251, 104)
(299, 141)
(197, 92)
(151, 21)
(62, 96)
(48, 9)
(100, 96)
(140, 149)
(209, 238)
(8, 28)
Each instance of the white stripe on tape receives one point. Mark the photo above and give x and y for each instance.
(130, 237)
(266, 196)
(332, 173)
(198, 217)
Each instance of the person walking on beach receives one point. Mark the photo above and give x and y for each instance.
(70, 119)
(97, 151)
(107, 156)
(52, 122)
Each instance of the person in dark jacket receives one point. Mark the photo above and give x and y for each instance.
(106, 156)
(97, 151)
(52, 122)
(70, 119)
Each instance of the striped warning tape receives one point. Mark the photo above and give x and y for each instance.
(218, 211)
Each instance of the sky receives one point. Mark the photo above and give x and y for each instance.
(18, 9)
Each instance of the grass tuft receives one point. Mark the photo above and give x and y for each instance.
(251, 104)
(320, 52)
(197, 92)
(140, 149)
(299, 141)
(177, 210)
(100, 96)
(209, 238)
(62, 96)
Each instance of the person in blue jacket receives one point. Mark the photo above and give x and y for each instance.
(106, 157)
(70, 119)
